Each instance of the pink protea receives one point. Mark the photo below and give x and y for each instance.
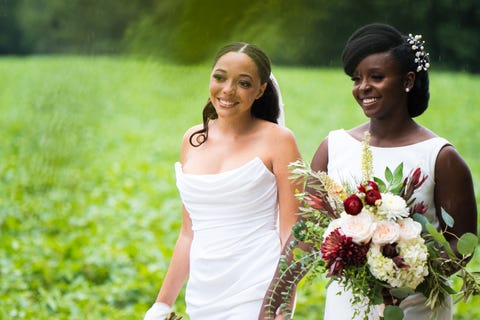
(314, 202)
(340, 251)
(419, 207)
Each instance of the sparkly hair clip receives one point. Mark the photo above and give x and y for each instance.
(421, 57)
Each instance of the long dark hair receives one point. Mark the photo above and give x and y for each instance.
(376, 38)
(266, 107)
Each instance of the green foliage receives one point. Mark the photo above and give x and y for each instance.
(75, 26)
(89, 211)
(307, 32)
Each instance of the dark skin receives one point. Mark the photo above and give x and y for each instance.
(379, 88)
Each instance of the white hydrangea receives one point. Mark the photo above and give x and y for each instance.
(414, 253)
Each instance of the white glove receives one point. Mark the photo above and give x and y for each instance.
(158, 311)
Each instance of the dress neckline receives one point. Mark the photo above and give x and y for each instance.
(397, 147)
(255, 161)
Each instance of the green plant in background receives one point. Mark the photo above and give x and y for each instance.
(89, 211)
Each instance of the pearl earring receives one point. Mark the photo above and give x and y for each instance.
(407, 89)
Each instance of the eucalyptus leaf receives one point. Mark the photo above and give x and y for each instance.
(467, 243)
(402, 292)
(448, 219)
(420, 218)
(392, 313)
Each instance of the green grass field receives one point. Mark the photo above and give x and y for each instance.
(89, 211)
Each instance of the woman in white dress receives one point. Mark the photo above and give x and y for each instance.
(390, 84)
(238, 202)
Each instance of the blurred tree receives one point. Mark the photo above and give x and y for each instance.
(188, 30)
(77, 26)
(10, 34)
(303, 32)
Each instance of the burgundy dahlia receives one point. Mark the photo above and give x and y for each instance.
(339, 251)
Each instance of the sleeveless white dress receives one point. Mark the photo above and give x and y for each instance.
(344, 165)
(236, 245)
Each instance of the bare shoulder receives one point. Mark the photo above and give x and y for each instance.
(279, 138)
(191, 130)
(186, 139)
(448, 153)
(450, 162)
(279, 142)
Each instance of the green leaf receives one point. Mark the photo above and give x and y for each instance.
(448, 288)
(382, 187)
(393, 313)
(388, 175)
(420, 218)
(398, 174)
(449, 221)
(377, 296)
(467, 243)
(397, 189)
(435, 234)
(402, 292)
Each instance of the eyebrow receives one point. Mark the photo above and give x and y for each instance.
(225, 71)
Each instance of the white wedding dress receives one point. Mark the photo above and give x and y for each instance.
(344, 165)
(236, 245)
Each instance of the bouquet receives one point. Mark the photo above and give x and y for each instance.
(375, 241)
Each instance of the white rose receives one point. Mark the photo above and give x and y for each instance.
(393, 207)
(360, 227)
(409, 229)
(386, 232)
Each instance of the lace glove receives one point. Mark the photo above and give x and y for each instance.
(158, 311)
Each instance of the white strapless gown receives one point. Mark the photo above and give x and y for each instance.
(344, 165)
(236, 245)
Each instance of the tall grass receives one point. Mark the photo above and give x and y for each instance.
(89, 211)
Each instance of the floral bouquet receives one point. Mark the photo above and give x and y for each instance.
(375, 241)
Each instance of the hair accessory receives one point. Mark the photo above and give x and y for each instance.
(421, 57)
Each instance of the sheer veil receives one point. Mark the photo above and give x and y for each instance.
(281, 114)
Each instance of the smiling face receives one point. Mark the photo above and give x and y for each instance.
(379, 86)
(235, 84)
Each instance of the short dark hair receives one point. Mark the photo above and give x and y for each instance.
(266, 107)
(377, 38)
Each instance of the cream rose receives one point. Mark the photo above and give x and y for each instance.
(360, 227)
(334, 224)
(409, 229)
(386, 232)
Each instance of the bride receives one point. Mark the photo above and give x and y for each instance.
(238, 202)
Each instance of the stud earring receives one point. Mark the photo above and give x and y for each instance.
(407, 89)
